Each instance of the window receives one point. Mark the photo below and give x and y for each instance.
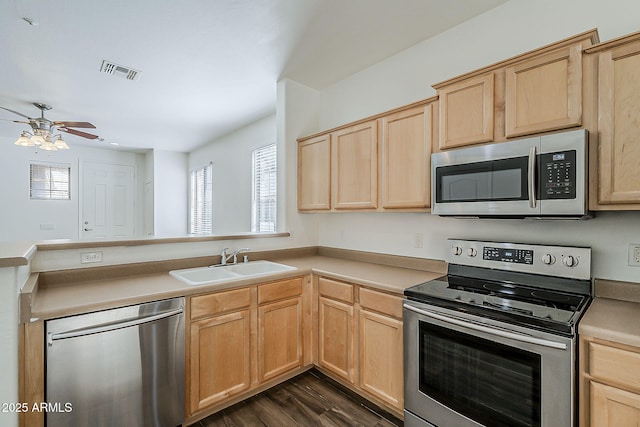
(263, 206)
(50, 181)
(201, 209)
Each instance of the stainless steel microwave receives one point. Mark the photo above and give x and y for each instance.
(541, 176)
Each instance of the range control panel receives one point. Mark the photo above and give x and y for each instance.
(520, 256)
(560, 261)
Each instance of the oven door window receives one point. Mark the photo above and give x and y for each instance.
(495, 180)
(488, 382)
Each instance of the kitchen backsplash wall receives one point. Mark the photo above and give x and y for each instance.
(608, 234)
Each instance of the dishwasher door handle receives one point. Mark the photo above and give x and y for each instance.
(111, 326)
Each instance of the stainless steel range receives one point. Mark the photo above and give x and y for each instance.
(494, 342)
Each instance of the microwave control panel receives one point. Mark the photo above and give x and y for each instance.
(557, 175)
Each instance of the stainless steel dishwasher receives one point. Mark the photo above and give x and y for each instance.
(119, 367)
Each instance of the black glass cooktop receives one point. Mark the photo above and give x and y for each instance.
(531, 304)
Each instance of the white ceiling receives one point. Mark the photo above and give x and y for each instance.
(207, 66)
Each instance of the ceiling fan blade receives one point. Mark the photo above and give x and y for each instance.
(78, 133)
(15, 112)
(74, 124)
(16, 121)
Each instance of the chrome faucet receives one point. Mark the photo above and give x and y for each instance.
(224, 258)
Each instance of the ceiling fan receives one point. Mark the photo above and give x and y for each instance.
(42, 130)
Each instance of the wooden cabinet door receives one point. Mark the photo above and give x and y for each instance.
(467, 112)
(219, 358)
(612, 407)
(335, 337)
(618, 124)
(354, 167)
(279, 337)
(381, 372)
(405, 173)
(314, 173)
(544, 93)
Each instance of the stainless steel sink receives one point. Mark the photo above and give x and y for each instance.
(216, 274)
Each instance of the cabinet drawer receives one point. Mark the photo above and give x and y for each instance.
(279, 290)
(383, 303)
(220, 302)
(335, 290)
(615, 365)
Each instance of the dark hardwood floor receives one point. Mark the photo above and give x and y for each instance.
(310, 399)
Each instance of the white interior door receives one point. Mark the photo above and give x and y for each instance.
(108, 201)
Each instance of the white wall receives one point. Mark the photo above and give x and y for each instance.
(231, 158)
(170, 193)
(21, 217)
(511, 29)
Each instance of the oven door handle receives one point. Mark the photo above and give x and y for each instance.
(488, 330)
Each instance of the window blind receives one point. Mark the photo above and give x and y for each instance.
(50, 181)
(201, 209)
(264, 204)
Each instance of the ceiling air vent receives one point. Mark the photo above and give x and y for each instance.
(119, 70)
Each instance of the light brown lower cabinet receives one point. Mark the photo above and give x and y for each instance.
(610, 384)
(381, 372)
(360, 340)
(220, 358)
(336, 328)
(613, 407)
(280, 337)
(219, 347)
(239, 339)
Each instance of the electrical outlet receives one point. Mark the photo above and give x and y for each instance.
(47, 227)
(634, 254)
(87, 257)
(417, 240)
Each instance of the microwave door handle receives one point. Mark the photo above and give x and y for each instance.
(531, 177)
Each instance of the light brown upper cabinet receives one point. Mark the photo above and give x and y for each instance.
(354, 166)
(538, 91)
(618, 165)
(466, 112)
(405, 158)
(545, 92)
(314, 173)
(379, 163)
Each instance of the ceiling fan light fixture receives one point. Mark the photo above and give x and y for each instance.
(60, 144)
(48, 146)
(42, 129)
(24, 140)
(36, 140)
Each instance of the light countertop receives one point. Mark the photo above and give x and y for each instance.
(614, 314)
(91, 295)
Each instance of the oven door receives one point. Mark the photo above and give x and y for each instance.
(462, 370)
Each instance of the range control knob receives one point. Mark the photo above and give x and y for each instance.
(456, 250)
(471, 252)
(548, 259)
(570, 261)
